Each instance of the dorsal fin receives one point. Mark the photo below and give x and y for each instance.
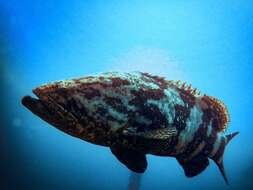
(219, 110)
(186, 87)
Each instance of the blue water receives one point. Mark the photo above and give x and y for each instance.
(206, 43)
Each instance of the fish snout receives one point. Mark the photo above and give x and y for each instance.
(46, 89)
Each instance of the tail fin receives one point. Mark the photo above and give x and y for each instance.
(218, 157)
(230, 136)
(222, 171)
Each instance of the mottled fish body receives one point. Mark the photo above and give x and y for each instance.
(137, 114)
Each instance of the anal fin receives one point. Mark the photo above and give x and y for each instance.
(132, 159)
(194, 166)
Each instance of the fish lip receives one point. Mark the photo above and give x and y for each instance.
(40, 108)
(27, 100)
(31, 103)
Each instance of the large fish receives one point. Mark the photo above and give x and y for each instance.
(137, 114)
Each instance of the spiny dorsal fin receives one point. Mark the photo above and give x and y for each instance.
(187, 88)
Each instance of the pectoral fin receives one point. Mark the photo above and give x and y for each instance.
(156, 134)
(194, 166)
(134, 160)
(159, 134)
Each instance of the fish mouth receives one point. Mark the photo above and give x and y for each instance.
(42, 108)
(39, 104)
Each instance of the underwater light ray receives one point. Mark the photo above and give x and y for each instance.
(134, 181)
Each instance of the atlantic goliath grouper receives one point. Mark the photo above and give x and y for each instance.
(137, 114)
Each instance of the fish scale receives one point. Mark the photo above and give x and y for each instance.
(135, 114)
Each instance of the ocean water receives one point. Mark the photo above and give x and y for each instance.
(206, 43)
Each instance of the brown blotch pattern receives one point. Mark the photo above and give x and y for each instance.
(116, 104)
(145, 94)
(91, 93)
(198, 138)
(151, 112)
(220, 151)
(187, 97)
(206, 119)
(182, 113)
(116, 81)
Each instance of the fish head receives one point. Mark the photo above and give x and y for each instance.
(78, 107)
